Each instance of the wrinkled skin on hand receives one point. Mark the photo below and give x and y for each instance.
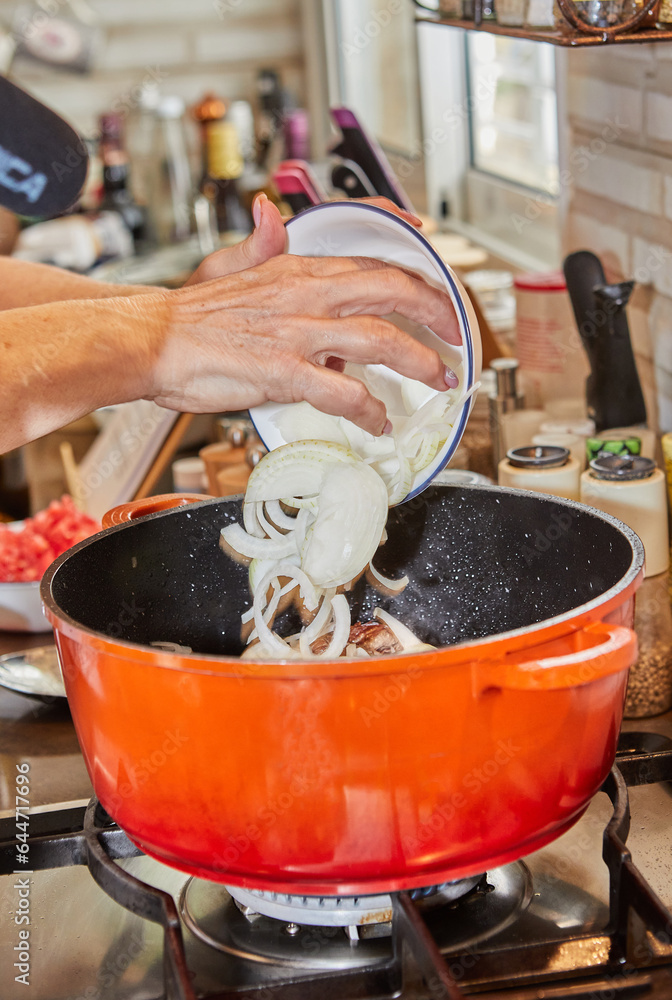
(254, 324)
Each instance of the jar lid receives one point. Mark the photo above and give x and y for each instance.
(553, 281)
(622, 468)
(538, 456)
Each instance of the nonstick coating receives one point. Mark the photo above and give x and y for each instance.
(481, 561)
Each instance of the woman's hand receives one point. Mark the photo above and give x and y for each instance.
(254, 324)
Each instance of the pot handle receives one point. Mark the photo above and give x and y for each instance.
(149, 505)
(571, 661)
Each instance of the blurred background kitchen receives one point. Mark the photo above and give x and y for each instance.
(516, 153)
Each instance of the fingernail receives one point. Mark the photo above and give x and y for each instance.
(451, 379)
(415, 219)
(256, 207)
(387, 429)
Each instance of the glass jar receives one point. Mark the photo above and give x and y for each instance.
(650, 680)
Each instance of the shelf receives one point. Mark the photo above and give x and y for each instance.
(569, 38)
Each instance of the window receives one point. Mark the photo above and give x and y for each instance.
(468, 120)
(513, 126)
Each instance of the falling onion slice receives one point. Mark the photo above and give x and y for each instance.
(341, 489)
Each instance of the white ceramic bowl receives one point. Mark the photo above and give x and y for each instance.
(21, 608)
(347, 229)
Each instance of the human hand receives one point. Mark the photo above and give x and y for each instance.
(254, 324)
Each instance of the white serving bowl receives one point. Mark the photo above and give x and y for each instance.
(21, 608)
(355, 229)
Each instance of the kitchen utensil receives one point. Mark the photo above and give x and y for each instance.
(298, 185)
(363, 150)
(35, 672)
(614, 393)
(353, 229)
(349, 177)
(354, 776)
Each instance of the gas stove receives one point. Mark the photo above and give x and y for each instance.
(588, 917)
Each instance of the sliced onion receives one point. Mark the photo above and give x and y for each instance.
(347, 530)
(406, 638)
(295, 470)
(257, 548)
(341, 612)
(251, 521)
(292, 422)
(277, 515)
(394, 586)
(314, 629)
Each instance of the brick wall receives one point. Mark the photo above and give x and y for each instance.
(190, 46)
(618, 184)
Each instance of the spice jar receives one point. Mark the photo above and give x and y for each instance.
(631, 488)
(542, 468)
(650, 680)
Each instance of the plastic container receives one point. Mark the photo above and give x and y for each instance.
(552, 358)
(542, 468)
(633, 490)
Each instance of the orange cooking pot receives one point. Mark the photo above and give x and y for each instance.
(352, 777)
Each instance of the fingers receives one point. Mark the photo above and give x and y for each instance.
(370, 340)
(267, 240)
(341, 395)
(381, 291)
(391, 207)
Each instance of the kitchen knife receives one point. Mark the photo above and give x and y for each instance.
(613, 391)
(362, 149)
(348, 177)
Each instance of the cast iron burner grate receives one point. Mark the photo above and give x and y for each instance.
(635, 947)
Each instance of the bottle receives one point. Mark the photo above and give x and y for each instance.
(117, 196)
(506, 397)
(222, 166)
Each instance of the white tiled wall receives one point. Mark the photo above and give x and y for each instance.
(619, 105)
(190, 45)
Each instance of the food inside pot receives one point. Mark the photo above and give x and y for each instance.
(480, 561)
(313, 517)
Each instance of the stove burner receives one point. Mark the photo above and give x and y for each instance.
(337, 911)
(328, 933)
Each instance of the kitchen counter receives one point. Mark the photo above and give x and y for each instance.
(42, 734)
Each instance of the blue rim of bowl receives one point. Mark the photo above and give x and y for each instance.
(457, 302)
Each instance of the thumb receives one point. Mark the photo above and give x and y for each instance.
(268, 239)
